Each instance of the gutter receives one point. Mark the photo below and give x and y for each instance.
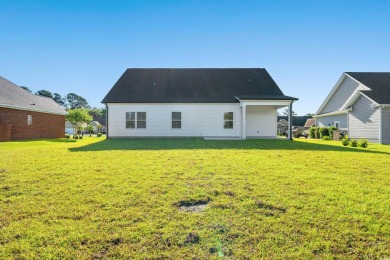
(332, 114)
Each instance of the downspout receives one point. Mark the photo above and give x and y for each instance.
(290, 120)
(380, 124)
(106, 121)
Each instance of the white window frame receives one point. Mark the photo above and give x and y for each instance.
(29, 120)
(228, 120)
(130, 117)
(335, 124)
(139, 121)
(175, 120)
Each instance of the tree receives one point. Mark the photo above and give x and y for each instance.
(77, 117)
(285, 112)
(76, 101)
(60, 100)
(97, 112)
(309, 114)
(26, 88)
(90, 130)
(44, 93)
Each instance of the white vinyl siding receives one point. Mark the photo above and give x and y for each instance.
(364, 120)
(197, 120)
(261, 121)
(386, 125)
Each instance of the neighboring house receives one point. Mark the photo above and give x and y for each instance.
(360, 104)
(282, 126)
(296, 120)
(102, 122)
(309, 123)
(221, 103)
(26, 116)
(95, 125)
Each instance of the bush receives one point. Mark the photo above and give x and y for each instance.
(67, 136)
(80, 137)
(312, 132)
(326, 138)
(324, 131)
(317, 133)
(99, 134)
(75, 136)
(331, 129)
(345, 140)
(363, 143)
(353, 143)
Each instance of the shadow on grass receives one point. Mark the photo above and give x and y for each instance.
(198, 143)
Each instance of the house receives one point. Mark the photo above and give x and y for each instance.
(96, 125)
(359, 103)
(26, 116)
(296, 120)
(215, 103)
(309, 123)
(101, 121)
(282, 126)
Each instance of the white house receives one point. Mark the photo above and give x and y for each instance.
(360, 104)
(214, 103)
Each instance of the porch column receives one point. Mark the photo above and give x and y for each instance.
(290, 120)
(243, 121)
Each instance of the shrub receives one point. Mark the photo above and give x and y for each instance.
(345, 140)
(99, 134)
(353, 143)
(331, 129)
(312, 132)
(324, 131)
(326, 138)
(67, 136)
(363, 143)
(317, 133)
(80, 137)
(75, 136)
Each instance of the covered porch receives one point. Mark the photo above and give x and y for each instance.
(259, 115)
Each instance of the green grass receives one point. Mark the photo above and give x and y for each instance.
(98, 198)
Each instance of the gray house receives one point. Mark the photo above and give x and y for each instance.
(360, 104)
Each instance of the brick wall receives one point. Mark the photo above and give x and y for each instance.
(43, 125)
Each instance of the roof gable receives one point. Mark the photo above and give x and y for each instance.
(192, 86)
(378, 84)
(13, 96)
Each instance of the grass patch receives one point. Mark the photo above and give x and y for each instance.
(121, 198)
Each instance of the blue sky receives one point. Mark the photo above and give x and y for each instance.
(85, 46)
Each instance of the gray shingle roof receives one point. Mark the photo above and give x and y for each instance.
(378, 82)
(296, 120)
(193, 86)
(13, 96)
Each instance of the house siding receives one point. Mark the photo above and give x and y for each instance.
(44, 125)
(197, 120)
(346, 89)
(386, 125)
(261, 121)
(364, 120)
(328, 120)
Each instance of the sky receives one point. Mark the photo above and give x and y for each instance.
(84, 46)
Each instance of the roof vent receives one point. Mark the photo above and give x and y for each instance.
(250, 80)
(154, 83)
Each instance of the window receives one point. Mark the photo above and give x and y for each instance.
(130, 119)
(29, 119)
(228, 120)
(141, 119)
(176, 119)
(337, 124)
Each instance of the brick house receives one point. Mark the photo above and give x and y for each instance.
(24, 115)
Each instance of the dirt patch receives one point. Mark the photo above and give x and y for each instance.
(193, 205)
(194, 209)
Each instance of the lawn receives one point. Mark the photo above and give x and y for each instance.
(98, 198)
